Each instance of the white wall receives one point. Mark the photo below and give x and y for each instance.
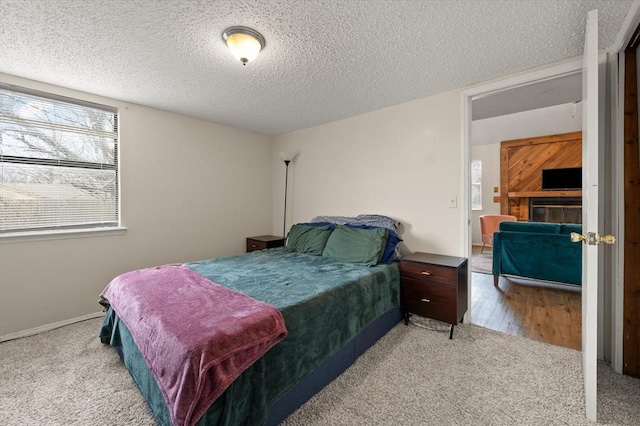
(403, 161)
(191, 190)
(490, 157)
(553, 120)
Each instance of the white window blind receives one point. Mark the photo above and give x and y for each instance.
(58, 162)
(476, 185)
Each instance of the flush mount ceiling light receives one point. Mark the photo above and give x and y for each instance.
(244, 43)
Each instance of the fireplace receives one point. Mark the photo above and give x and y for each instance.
(555, 209)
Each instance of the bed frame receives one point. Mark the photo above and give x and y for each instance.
(332, 367)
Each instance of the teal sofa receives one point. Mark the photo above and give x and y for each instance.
(537, 250)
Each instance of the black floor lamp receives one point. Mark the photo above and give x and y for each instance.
(287, 157)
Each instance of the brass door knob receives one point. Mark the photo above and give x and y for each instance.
(576, 238)
(608, 239)
(592, 238)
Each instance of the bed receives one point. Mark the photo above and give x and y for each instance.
(333, 309)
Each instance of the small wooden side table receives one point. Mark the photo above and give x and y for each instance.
(434, 286)
(262, 242)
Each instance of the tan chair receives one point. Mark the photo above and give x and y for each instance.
(489, 224)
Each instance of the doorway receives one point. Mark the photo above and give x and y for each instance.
(519, 306)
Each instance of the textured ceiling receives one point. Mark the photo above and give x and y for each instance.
(323, 61)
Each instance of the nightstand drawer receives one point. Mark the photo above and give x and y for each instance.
(431, 301)
(255, 245)
(430, 273)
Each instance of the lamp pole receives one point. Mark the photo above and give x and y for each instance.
(286, 183)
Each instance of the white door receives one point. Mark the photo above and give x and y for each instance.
(592, 140)
(590, 166)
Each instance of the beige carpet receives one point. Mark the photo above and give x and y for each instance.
(67, 377)
(412, 376)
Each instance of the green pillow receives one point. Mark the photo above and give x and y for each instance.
(308, 239)
(355, 245)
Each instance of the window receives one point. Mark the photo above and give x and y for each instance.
(476, 185)
(58, 163)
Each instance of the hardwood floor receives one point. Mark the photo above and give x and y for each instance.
(539, 310)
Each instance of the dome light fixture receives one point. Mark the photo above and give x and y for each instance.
(245, 43)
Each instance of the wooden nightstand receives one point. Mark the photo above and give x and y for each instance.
(434, 286)
(263, 242)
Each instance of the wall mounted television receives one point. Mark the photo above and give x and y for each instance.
(562, 179)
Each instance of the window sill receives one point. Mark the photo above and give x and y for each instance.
(24, 237)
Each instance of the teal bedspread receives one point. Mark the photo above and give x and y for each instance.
(325, 303)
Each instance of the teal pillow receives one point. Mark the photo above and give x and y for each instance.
(355, 245)
(308, 239)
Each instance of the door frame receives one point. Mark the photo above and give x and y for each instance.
(573, 66)
(617, 69)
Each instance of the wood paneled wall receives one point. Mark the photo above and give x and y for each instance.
(521, 165)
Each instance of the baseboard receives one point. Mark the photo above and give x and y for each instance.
(48, 327)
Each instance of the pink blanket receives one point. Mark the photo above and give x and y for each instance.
(196, 336)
